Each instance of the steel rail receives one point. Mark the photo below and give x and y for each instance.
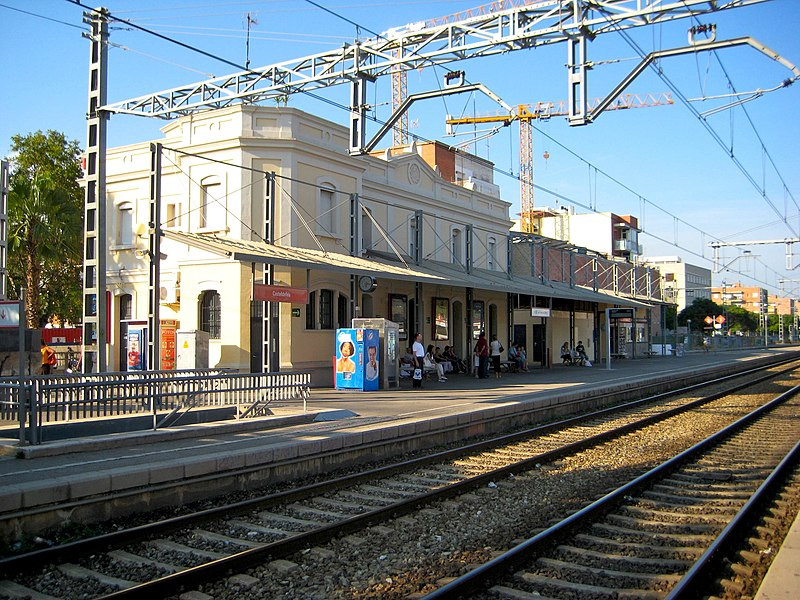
(477, 579)
(191, 577)
(14, 564)
(708, 566)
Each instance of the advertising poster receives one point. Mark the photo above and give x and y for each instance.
(372, 366)
(137, 346)
(168, 347)
(349, 361)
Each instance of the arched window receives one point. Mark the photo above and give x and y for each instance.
(493, 320)
(456, 247)
(366, 230)
(125, 224)
(491, 254)
(125, 307)
(210, 313)
(326, 210)
(326, 309)
(212, 204)
(343, 310)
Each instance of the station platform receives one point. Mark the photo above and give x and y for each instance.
(73, 473)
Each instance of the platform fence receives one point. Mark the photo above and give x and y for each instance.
(165, 395)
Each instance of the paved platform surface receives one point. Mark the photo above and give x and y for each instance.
(341, 410)
(783, 578)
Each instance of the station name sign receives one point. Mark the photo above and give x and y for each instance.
(620, 313)
(278, 293)
(540, 312)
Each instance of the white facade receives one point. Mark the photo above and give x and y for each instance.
(428, 224)
(683, 282)
(604, 233)
(207, 193)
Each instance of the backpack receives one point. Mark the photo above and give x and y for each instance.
(52, 359)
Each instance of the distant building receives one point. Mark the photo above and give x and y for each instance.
(683, 282)
(606, 233)
(735, 294)
(782, 306)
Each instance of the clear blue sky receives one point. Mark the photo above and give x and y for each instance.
(664, 155)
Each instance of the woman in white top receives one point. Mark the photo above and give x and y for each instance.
(418, 350)
(495, 350)
(430, 362)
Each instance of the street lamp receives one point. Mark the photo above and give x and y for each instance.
(689, 334)
(724, 309)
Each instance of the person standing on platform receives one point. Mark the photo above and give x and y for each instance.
(49, 359)
(419, 361)
(482, 352)
(496, 349)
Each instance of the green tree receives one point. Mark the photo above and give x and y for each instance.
(774, 324)
(740, 319)
(697, 312)
(45, 215)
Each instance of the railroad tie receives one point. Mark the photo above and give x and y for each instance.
(9, 589)
(78, 572)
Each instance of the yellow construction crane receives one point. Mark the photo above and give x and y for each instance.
(525, 113)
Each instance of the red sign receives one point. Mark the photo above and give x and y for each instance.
(168, 348)
(277, 293)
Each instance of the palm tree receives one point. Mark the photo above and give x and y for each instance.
(44, 226)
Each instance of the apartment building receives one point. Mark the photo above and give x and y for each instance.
(683, 282)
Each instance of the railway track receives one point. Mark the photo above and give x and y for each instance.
(159, 559)
(664, 534)
(200, 479)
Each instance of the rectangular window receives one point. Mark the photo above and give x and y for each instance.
(173, 218)
(491, 255)
(412, 238)
(326, 309)
(312, 303)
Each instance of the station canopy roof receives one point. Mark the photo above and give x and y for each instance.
(432, 272)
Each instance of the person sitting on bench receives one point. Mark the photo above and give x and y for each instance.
(447, 366)
(430, 363)
(580, 352)
(566, 354)
(516, 354)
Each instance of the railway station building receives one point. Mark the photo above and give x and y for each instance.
(418, 234)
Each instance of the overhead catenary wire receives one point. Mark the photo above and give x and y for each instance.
(704, 122)
(752, 124)
(46, 18)
(343, 107)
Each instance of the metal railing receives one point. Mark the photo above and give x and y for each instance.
(166, 395)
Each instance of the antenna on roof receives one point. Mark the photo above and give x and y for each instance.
(250, 21)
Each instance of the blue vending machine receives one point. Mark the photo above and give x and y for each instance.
(357, 365)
